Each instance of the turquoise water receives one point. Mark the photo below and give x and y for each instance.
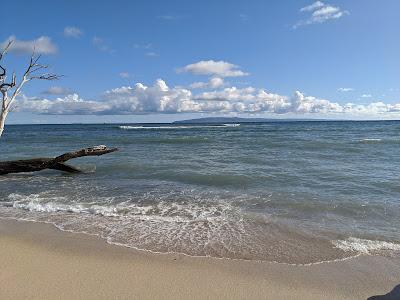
(291, 192)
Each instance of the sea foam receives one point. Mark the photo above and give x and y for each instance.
(370, 140)
(365, 246)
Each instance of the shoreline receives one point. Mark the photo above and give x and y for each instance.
(152, 252)
(40, 261)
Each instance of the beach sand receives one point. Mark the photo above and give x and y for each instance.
(37, 261)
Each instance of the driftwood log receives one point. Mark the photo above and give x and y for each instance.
(57, 163)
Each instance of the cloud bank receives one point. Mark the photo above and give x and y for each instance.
(162, 99)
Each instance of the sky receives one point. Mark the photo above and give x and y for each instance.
(160, 61)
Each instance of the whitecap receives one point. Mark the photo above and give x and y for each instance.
(371, 140)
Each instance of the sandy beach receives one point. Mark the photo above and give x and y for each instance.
(40, 262)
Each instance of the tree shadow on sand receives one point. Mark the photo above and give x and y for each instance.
(392, 295)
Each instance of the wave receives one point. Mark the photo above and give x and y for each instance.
(364, 246)
(127, 127)
(370, 140)
(231, 125)
(198, 228)
(162, 210)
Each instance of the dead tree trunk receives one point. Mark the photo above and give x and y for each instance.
(57, 163)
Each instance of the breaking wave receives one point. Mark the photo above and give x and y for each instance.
(371, 140)
(127, 127)
(202, 228)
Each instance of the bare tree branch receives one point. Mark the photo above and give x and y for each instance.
(3, 73)
(32, 72)
(46, 76)
(4, 51)
(7, 86)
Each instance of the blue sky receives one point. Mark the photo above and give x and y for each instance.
(333, 59)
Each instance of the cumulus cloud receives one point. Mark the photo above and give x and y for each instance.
(160, 98)
(57, 90)
(366, 96)
(41, 45)
(73, 32)
(344, 89)
(214, 68)
(309, 104)
(68, 105)
(320, 13)
(375, 108)
(213, 83)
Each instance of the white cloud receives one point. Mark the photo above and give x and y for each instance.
(214, 82)
(375, 108)
(100, 44)
(152, 54)
(124, 75)
(366, 96)
(41, 45)
(57, 90)
(345, 89)
(214, 68)
(73, 32)
(320, 13)
(309, 104)
(159, 98)
(314, 6)
(143, 46)
(70, 104)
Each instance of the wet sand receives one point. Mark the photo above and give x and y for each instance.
(37, 261)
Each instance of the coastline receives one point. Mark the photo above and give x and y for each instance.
(41, 262)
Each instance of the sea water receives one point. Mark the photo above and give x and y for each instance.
(289, 192)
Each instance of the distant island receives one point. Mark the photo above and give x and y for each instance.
(219, 120)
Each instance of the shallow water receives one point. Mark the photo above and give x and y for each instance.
(293, 192)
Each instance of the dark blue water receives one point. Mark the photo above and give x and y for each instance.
(296, 192)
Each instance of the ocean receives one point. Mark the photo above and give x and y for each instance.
(289, 192)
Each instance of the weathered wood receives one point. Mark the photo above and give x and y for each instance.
(57, 163)
(11, 90)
